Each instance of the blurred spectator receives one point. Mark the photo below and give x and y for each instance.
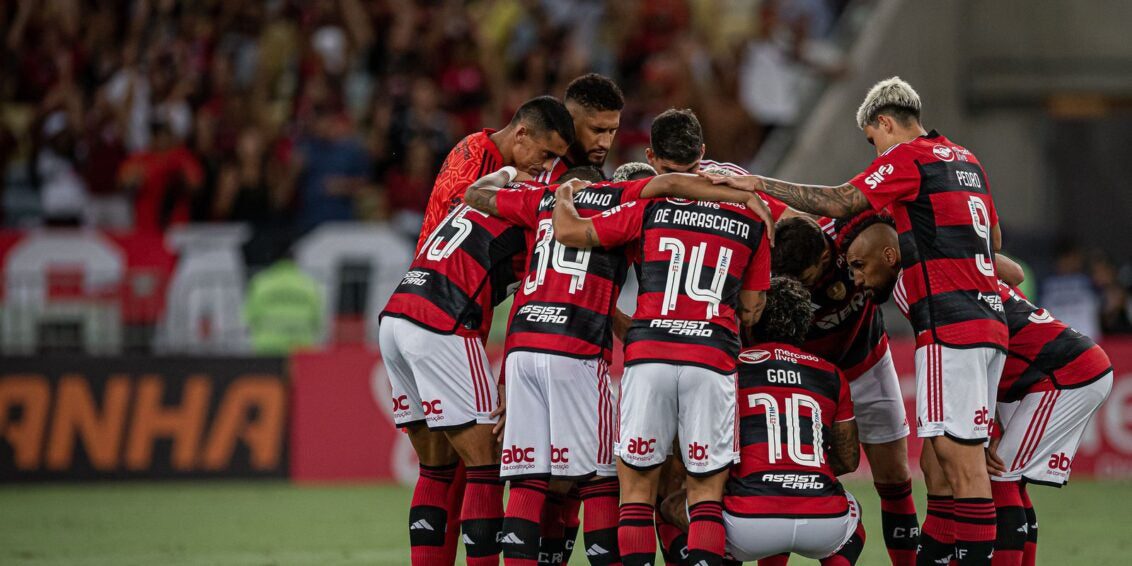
(283, 309)
(407, 187)
(248, 192)
(1069, 293)
(162, 180)
(332, 166)
(63, 192)
(1114, 314)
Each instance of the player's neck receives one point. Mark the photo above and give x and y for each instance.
(505, 140)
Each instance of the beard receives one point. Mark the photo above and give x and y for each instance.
(882, 294)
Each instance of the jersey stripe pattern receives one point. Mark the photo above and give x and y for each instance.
(564, 303)
(695, 258)
(848, 328)
(1045, 354)
(463, 269)
(788, 401)
(940, 199)
(475, 156)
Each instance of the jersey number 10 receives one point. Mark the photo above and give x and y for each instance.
(793, 423)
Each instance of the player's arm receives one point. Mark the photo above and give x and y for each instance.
(846, 453)
(1008, 270)
(570, 229)
(481, 194)
(996, 237)
(842, 201)
(696, 187)
(751, 304)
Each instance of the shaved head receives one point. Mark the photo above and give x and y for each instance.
(874, 259)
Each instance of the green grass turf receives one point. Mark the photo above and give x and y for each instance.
(275, 523)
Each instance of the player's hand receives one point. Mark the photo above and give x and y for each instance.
(742, 182)
(566, 190)
(501, 412)
(759, 207)
(995, 465)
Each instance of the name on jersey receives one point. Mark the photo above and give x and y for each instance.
(877, 176)
(683, 327)
(543, 313)
(994, 300)
(796, 481)
(417, 278)
(697, 219)
(592, 198)
(784, 376)
(969, 179)
(793, 357)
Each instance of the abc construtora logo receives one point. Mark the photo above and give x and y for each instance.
(754, 356)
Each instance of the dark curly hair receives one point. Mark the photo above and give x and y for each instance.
(583, 172)
(676, 135)
(595, 92)
(787, 315)
(848, 231)
(798, 245)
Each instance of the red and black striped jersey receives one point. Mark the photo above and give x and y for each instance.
(944, 213)
(475, 156)
(565, 302)
(848, 327)
(694, 258)
(463, 270)
(1045, 353)
(788, 401)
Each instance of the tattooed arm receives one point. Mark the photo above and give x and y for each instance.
(570, 229)
(846, 453)
(480, 195)
(842, 201)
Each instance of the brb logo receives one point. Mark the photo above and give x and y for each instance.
(432, 407)
(641, 446)
(559, 455)
(982, 417)
(400, 403)
(517, 455)
(697, 452)
(1060, 462)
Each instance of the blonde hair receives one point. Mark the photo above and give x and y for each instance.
(891, 93)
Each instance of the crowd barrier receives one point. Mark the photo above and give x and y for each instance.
(326, 416)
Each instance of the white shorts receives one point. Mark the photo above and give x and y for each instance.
(753, 538)
(953, 387)
(878, 403)
(443, 380)
(660, 400)
(560, 417)
(1041, 432)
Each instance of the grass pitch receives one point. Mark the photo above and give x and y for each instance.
(275, 523)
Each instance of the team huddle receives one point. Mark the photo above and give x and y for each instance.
(757, 366)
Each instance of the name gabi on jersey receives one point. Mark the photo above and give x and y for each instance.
(543, 313)
(683, 327)
(707, 220)
(796, 481)
(417, 278)
(592, 198)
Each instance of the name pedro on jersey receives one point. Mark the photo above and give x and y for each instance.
(698, 219)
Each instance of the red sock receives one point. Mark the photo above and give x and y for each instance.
(521, 524)
(599, 500)
(1030, 556)
(428, 515)
(706, 537)
(673, 541)
(552, 531)
(776, 560)
(975, 520)
(572, 521)
(898, 519)
(1012, 526)
(937, 534)
(635, 535)
(454, 504)
(482, 516)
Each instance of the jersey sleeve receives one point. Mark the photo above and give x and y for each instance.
(757, 276)
(844, 410)
(632, 189)
(775, 206)
(519, 206)
(892, 177)
(620, 224)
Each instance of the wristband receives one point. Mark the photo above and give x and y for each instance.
(511, 173)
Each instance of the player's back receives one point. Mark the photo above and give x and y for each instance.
(695, 259)
(788, 403)
(462, 269)
(473, 157)
(1044, 352)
